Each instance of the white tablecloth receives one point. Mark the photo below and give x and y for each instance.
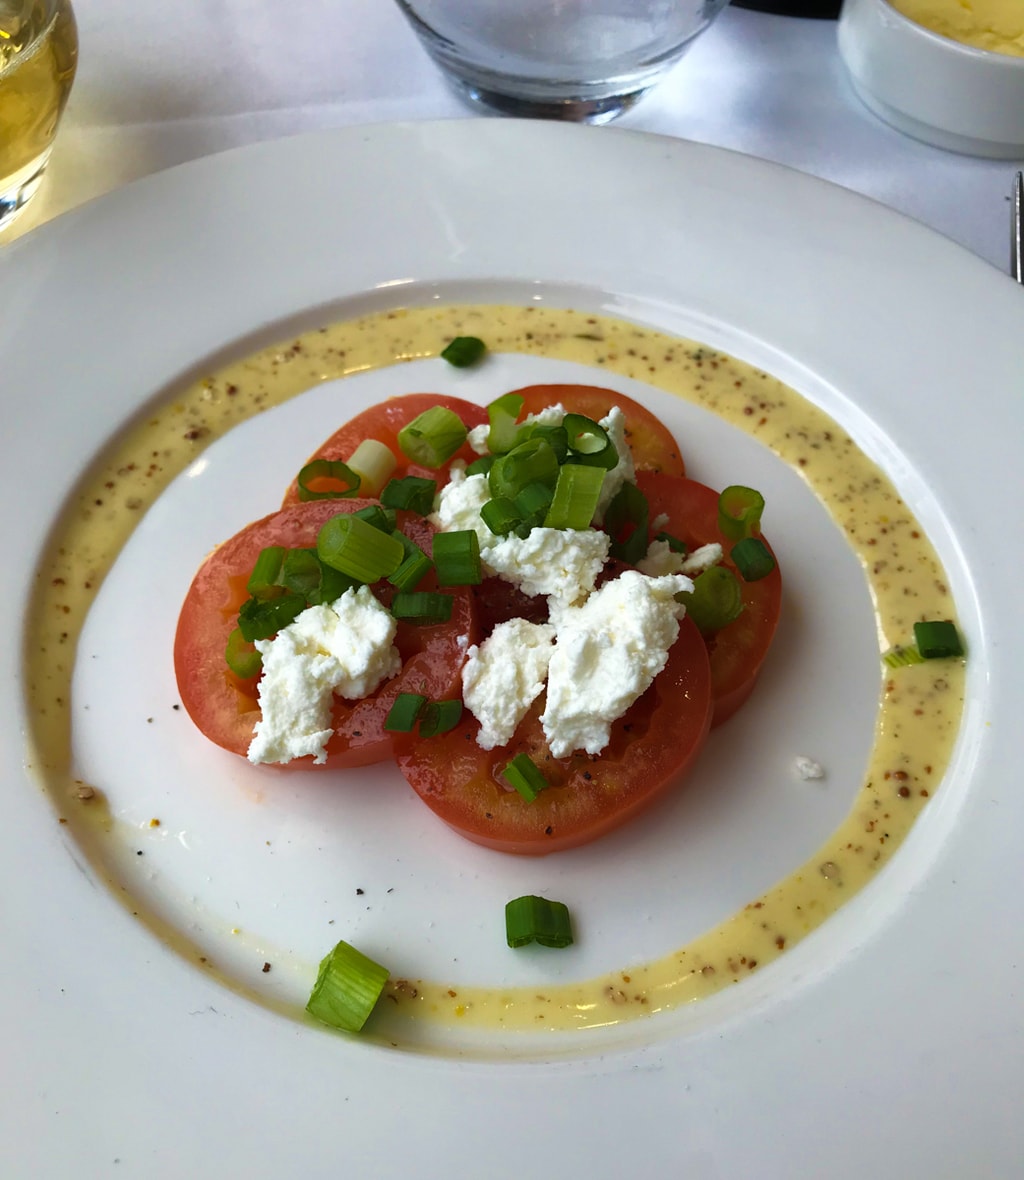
(162, 83)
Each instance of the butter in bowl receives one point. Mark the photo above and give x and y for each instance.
(949, 72)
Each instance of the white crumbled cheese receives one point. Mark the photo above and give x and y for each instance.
(476, 436)
(624, 471)
(659, 522)
(807, 769)
(459, 503)
(345, 648)
(661, 560)
(607, 653)
(504, 676)
(560, 563)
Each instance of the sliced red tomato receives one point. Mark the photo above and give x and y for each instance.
(226, 709)
(652, 444)
(738, 650)
(383, 422)
(650, 748)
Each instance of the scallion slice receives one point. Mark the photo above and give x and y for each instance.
(374, 463)
(502, 414)
(432, 437)
(380, 517)
(555, 436)
(414, 493)
(739, 512)
(405, 712)
(525, 776)
(464, 351)
(414, 568)
(422, 607)
(902, 657)
(439, 717)
(260, 618)
(457, 558)
(348, 543)
(348, 986)
(264, 581)
(752, 558)
(481, 466)
(500, 515)
(242, 658)
(937, 639)
(716, 599)
(589, 443)
(536, 919)
(327, 479)
(576, 495)
(626, 522)
(531, 462)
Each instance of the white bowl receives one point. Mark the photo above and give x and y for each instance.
(933, 88)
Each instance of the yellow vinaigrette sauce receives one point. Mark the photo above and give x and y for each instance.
(920, 705)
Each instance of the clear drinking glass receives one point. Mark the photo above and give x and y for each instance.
(38, 56)
(581, 60)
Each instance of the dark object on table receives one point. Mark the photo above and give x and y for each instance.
(818, 9)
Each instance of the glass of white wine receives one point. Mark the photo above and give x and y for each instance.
(38, 56)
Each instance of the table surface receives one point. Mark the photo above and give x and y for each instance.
(162, 84)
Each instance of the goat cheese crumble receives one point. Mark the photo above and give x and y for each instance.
(346, 648)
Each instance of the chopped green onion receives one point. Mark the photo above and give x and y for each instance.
(535, 497)
(422, 607)
(500, 515)
(536, 919)
(414, 568)
(481, 466)
(576, 495)
(413, 493)
(432, 437)
(937, 639)
(532, 503)
(405, 712)
(348, 986)
(531, 462)
(502, 414)
(348, 543)
(243, 659)
(464, 351)
(555, 436)
(342, 481)
(674, 544)
(457, 558)
(716, 599)
(902, 657)
(439, 717)
(264, 581)
(626, 522)
(374, 463)
(260, 618)
(381, 518)
(752, 558)
(589, 442)
(739, 512)
(525, 776)
(303, 572)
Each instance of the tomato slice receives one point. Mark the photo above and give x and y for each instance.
(737, 651)
(383, 422)
(652, 444)
(651, 746)
(226, 709)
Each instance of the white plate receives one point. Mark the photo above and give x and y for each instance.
(889, 1040)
